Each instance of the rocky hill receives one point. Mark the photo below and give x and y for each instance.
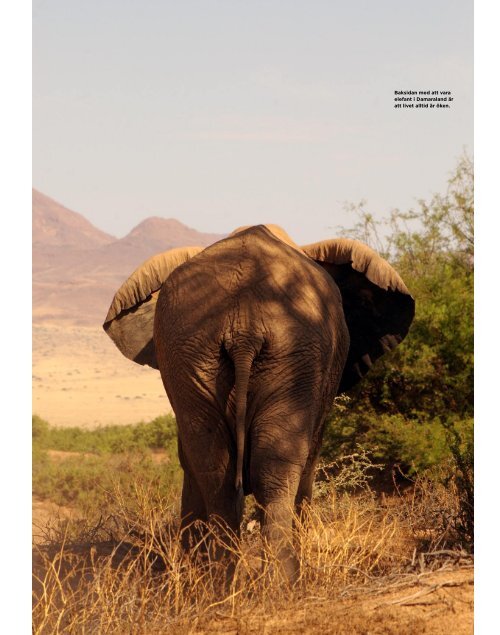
(77, 267)
(56, 226)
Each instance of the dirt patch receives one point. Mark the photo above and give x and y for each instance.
(81, 379)
(62, 455)
(440, 603)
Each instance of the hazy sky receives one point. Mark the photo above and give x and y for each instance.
(224, 113)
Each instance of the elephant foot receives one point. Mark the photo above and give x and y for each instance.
(282, 565)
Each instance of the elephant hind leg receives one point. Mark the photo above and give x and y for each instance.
(278, 538)
(193, 514)
(225, 511)
(280, 448)
(276, 496)
(222, 532)
(210, 530)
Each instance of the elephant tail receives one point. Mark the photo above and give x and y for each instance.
(243, 357)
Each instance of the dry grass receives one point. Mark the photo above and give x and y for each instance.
(128, 574)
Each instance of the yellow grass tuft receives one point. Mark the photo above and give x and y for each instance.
(129, 574)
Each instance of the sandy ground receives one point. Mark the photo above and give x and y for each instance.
(81, 379)
(441, 603)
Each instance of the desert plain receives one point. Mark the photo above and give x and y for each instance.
(81, 379)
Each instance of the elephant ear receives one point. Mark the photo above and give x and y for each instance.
(130, 319)
(378, 307)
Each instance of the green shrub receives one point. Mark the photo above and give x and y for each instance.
(39, 431)
(415, 407)
(87, 482)
(158, 434)
(104, 459)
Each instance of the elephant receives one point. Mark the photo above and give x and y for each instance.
(254, 337)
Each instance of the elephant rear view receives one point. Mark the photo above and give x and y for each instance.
(254, 337)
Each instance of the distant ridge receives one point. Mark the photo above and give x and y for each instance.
(167, 230)
(77, 267)
(56, 225)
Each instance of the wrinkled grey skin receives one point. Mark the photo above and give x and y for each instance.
(254, 337)
(251, 342)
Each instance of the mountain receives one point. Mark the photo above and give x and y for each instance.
(77, 267)
(57, 226)
(151, 236)
(161, 231)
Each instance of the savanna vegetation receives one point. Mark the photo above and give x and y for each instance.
(78, 468)
(415, 414)
(393, 498)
